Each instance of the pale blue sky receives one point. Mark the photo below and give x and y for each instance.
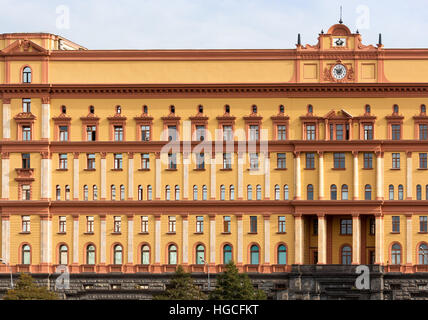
(221, 24)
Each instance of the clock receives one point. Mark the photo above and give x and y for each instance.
(338, 71)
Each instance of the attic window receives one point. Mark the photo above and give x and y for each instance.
(254, 109)
(145, 109)
(281, 109)
(227, 108)
(310, 109)
(423, 109)
(118, 109)
(200, 109)
(172, 109)
(367, 109)
(91, 109)
(63, 109)
(395, 108)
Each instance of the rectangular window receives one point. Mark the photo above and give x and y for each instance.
(118, 161)
(368, 132)
(310, 160)
(63, 133)
(315, 227)
(254, 160)
(26, 105)
(171, 224)
(396, 131)
(200, 133)
(422, 161)
(372, 226)
(227, 133)
(423, 224)
(26, 161)
(423, 132)
(281, 224)
(62, 224)
(396, 161)
(91, 133)
(91, 161)
(145, 161)
(281, 160)
(395, 224)
(339, 160)
(118, 133)
(368, 160)
(172, 161)
(281, 133)
(346, 226)
(226, 224)
(253, 224)
(117, 224)
(26, 192)
(25, 223)
(90, 224)
(26, 133)
(200, 161)
(310, 132)
(63, 161)
(199, 224)
(145, 224)
(227, 161)
(172, 133)
(254, 133)
(339, 132)
(145, 133)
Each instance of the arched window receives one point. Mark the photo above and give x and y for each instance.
(204, 192)
(367, 192)
(231, 192)
(122, 192)
(346, 255)
(254, 254)
(282, 254)
(367, 109)
(396, 254)
(286, 192)
(177, 192)
(149, 192)
(258, 192)
(423, 254)
(26, 75)
(85, 192)
(195, 192)
(90, 254)
(310, 192)
(145, 254)
(423, 109)
(113, 192)
(254, 109)
(391, 192)
(172, 254)
(418, 192)
(227, 254)
(140, 192)
(63, 254)
(26, 254)
(400, 192)
(200, 254)
(222, 192)
(310, 109)
(249, 192)
(395, 108)
(345, 192)
(281, 108)
(67, 192)
(333, 192)
(167, 192)
(63, 109)
(94, 192)
(117, 254)
(58, 192)
(276, 192)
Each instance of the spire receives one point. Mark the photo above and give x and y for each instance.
(340, 21)
(299, 42)
(380, 39)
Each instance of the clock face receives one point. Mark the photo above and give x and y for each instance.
(338, 71)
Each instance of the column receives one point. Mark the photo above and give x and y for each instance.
(379, 176)
(213, 187)
(267, 174)
(409, 186)
(158, 176)
(379, 239)
(266, 267)
(130, 175)
(297, 177)
(46, 107)
(185, 239)
(103, 238)
(321, 176)
(130, 262)
(240, 176)
(157, 266)
(240, 240)
(45, 243)
(6, 119)
(409, 243)
(5, 179)
(5, 237)
(212, 239)
(299, 239)
(322, 239)
(76, 176)
(186, 162)
(45, 176)
(356, 177)
(356, 239)
(103, 176)
(75, 264)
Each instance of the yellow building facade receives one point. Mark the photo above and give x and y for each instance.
(140, 160)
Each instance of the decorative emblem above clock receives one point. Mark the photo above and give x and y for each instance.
(339, 42)
(339, 71)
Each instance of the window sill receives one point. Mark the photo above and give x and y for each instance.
(338, 168)
(394, 169)
(226, 169)
(116, 233)
(170, 169)
(198, 233)
(143, 233)
(116, 169)
(226, 233)
(422, 169)
(394, 232)
(61, 169)
(171, 233)
(422, 232)
(88, 169)
(61, 233)
(252, 232)
(309, 169)
(144, 169)
(281, 169)
(253, 169)
(199, 169)
(25, 232)
(281, 233)
(88, 233)
(345, 234)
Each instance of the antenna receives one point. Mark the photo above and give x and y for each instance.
(340, 21)
(380, 38)
(299, 42)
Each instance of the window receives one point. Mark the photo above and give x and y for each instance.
(254, 132)
(227, 133)
(144, 224)
(90, 224)
(25, 223)
(145, 133)
(172, 254)
(395, 161)
(199, 224)
(167, 192)
(172, 161)
(117, 254)
(63, 133)
(118, 133)
(90, 161)
(227, 161)
(227, 254)
(200, 161)
(346, 226)
(177, 192)
(26, 254)
(423, 254)
(231, 192)
(281, 224)
(310, 160)
(367, 192)
(277, 192)
(145, 254)
(117, 224)
(396, 254)
(310, 132)
(85, 193)
(395, 109)
(281, 132)
(113, 192)
(344, 192)
(62, 224)
(122, 192)
(118, 161)
(25, 161)
(200, 133)
(26, 75)
(418, 192)
(258, 192)
(222, 192)
(91, 133)
(195, 192)
(200, 254)
(339, 160)
(286, 192)
(426, 192)
(368, 132)
(249, 192)
(149, 192)
(253, 224)
(422, 161)
(171, 224)
(367, 109)
(140, 192)
(315, 226)
(391, 192)
(67, 192)
(63, 161)
(372, 227)
(94, 192)
(368, 160)
(423, 132)
(26, 192)
(226, 224)
(172, 133)
(63, 255)
(281, 160)
(254, 254)
(204, 192)
(90, 254)
(333, 192)
(400, 192)
(346, 255)
(254, 160)
(282, 254)
(423, 224)
(396, 131)
(396, 224)
(26, 105)
(310, 192)
(145, 161)
(26, 133)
